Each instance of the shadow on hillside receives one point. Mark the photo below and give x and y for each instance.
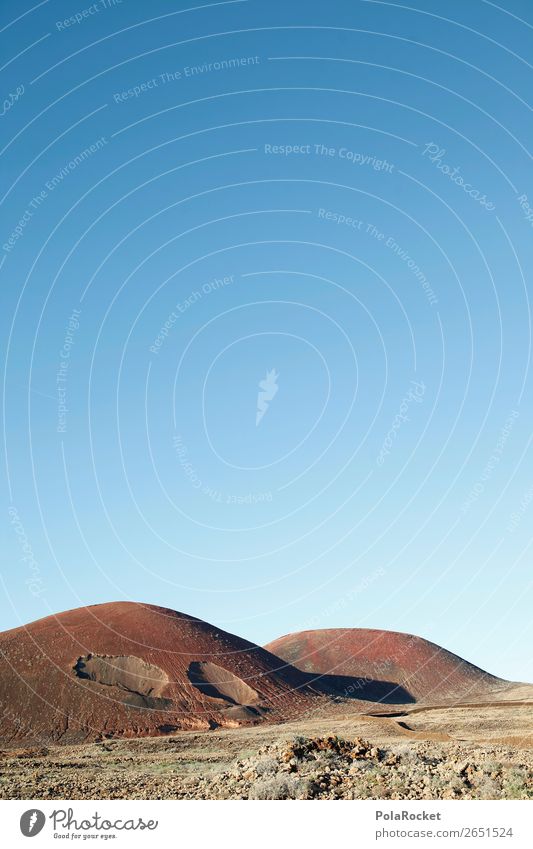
(365, 689)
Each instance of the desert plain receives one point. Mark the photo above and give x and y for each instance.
(126, 701)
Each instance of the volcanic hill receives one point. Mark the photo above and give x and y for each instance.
(385, 665)
(126, 670)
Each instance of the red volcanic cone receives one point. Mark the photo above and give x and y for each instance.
(125, 669)
(400, 666)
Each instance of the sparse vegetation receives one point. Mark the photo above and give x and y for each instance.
(270, 763)
(517, 784)
(336, 768)
(274, 787)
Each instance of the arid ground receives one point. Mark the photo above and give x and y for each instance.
(132, 701)
(408, 752)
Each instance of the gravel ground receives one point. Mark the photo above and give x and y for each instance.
(248, 765)
(335, 768)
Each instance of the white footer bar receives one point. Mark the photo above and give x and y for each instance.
(227, 825)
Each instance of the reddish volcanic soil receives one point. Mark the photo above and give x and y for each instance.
(133, 670)
(126, 670)
(385, 665)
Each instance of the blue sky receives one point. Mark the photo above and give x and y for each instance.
(332, 200)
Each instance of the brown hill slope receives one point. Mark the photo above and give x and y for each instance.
(126, 669)
(384, 665)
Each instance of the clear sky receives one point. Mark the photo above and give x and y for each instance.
(265, 321)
